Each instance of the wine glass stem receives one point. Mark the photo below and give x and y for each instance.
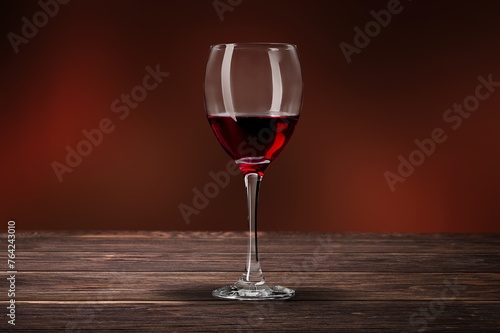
(253, 271)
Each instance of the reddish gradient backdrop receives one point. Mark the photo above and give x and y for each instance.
(357, 117)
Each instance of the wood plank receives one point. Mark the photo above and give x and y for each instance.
(238, 246)
(198, 261)
(229, 316)
(196, 235)
(310, 286)
(235, 242)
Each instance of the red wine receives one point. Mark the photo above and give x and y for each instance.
(253, 141)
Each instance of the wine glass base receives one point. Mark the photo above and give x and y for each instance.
(246, 291)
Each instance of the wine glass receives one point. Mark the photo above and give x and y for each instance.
(253, 98)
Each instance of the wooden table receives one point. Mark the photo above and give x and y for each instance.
(162, 282)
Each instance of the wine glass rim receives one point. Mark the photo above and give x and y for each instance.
(255, 45)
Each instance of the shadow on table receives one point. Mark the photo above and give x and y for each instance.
(204, 293)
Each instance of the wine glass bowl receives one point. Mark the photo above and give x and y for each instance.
(253, 99)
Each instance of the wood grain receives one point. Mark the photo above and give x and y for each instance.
(162, 282)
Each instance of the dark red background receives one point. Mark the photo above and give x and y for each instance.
(357, 118)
